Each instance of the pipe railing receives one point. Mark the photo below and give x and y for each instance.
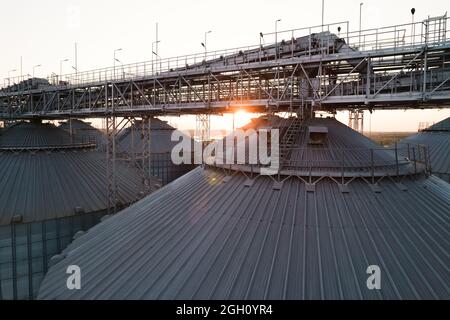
(48, 148)
(402, 159)
(318, 40)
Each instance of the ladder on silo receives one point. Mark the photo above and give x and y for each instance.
(289, 138)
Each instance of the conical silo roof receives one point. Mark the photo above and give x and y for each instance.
(84, 131)
(228, 234)
(160, 137)
(132, 142)
(338, 151)
(77, 125)
(443, 125)
(437, 139)
(34, 134)
(45, 176)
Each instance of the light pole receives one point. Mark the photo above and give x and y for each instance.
(76, 58)
(360, 20)
(157, 39)
(155, 53)
(123, 70)
(323, 13)
(34, 67)
(413, 33)
(75, 67)
(9, 76)
(204, 43)
(116, 50)
(60, 67)
(261, 40)
(276, 38)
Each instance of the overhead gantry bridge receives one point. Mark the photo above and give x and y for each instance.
(397, 67)
(322, 68)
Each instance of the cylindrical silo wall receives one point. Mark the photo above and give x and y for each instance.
(163, 167)
(26, 249)
(443, 176)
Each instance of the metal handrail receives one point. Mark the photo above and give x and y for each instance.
(72, 146)
(368, 40)
(399, 160)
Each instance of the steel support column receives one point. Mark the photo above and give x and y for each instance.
(203, 130)
(111, 128)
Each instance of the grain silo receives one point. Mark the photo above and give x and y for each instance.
(85, 132)
(339, 207)
(437, 139)
(51, 188)
(129, 141)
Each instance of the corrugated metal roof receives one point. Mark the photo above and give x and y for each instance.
(45, 186)
(201, 238)
(27, 134)
(438, 143)
(212, 236)
(342, 145)
(160, 137)
(343, 149)
(41, 185)
(443, 125)
(77, 125)
(84, 132)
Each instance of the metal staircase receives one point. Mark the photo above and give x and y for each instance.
(289, 138)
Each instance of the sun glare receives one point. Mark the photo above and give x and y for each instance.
(242, 118)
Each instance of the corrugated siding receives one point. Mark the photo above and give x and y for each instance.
(45, 186)
(26, 249)
(202, 238)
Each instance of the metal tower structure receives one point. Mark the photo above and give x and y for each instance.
(384, 68)
(203, 127)
(141, 160)
(356, 120)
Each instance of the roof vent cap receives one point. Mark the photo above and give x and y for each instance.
(105, 217)
(78, 234)
(78, 210)
(18, 218)
(317, 135)
(55, 259)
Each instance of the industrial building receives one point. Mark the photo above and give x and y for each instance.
(130, 142)
(437, 139)
(53, 186)
(338, 205)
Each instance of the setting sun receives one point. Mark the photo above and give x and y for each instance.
(242, 117)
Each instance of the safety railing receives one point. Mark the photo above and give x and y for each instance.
(393, 82)
(50, 148)
(401, 159)
(323, 40)
(78, 143)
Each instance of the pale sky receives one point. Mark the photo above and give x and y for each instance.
(44, 32)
